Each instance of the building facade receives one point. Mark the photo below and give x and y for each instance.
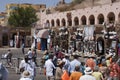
(86, 16)
(107, 12)
(11, 7)
(2, 18)
(8, 35)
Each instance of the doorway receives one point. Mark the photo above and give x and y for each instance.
(5, 39)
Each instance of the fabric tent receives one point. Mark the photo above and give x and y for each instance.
(43, 33)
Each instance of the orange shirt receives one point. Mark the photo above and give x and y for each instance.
(75, 75)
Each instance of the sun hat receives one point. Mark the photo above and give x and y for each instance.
(108, 56)
(88, 70)
(75, 54)
(26, 74)
(66, 54)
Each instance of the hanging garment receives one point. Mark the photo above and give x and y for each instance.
(100, 47)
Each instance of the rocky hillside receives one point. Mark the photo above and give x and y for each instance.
(81, 4)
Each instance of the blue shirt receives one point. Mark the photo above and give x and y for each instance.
(73, 63)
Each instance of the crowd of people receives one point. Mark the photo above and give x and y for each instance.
(27, 66)
(64, 66)
(60, 65)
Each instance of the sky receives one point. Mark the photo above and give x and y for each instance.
(49, 3)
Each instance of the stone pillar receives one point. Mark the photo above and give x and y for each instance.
(87, 21)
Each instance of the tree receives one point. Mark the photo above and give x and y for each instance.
(22, 17)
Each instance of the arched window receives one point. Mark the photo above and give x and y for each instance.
(63, 22)
(92, 20)
(119, 18)
(69, 22)
(111, 17)
(47, 23)
(100, 19)
(58, 22)
(76, 21)
(52, 23)
(83, 20)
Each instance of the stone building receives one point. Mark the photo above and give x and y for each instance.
(8, 34)
(89, 12)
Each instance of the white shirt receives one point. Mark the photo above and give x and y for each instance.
(25, 79)
(67, 63)
(28, 66)
(29, 54)
(49, 67)
(87, 77)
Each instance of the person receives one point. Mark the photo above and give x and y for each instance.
(9, 57)
(23, 46)
(73, 63)
(114, 70)
(45, 56)
(97, 74)
(3, 72)
(49, 68)
(27, 65)
(29, 53)
(59, 71)
(25, 76)
(82, 67)
(90, 62)
(104, 70)
(76, 74)
(67, 62)
(88, 74)
(34, 56)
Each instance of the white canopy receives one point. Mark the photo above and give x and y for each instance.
(43, 33)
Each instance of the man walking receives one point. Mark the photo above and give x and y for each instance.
(88, 74)
(49, 68)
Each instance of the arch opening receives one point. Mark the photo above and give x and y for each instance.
(92, 20)
(58, 22)
(111, 17)
(100, 19)
(83, 19)
(63, 22)
(52, 23)
(76, 21)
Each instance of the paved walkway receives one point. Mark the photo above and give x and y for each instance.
(17, 53)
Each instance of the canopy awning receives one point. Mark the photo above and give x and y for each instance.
(43, 33)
